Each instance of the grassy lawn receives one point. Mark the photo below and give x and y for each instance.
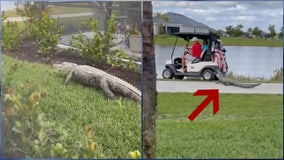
(246, 126)
(55, 10)
(115, 123)
(67, 10)
(227, 41)
(11, 13)
(242, 41)
(73, 24)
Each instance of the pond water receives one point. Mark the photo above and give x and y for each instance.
(253, 62)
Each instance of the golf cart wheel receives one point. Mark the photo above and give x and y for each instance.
(208, 75)
(167, 73)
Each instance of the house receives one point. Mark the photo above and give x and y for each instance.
(178, 23)
(262, 35)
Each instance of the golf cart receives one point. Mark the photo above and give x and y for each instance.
(211, 59)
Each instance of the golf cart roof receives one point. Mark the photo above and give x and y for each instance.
(189, 35)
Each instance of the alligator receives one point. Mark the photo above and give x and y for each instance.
(97, 78)
(230, 82)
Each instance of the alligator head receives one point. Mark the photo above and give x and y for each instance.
(64, 66)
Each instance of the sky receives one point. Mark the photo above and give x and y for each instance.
(219, 14)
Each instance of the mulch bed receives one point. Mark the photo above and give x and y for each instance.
(27, 51)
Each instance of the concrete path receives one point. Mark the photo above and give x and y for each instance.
(193, 86)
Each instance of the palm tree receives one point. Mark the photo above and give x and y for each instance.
(272, 32)
(280, 34)
(229, 30)
(165, 19)
(249, 30)
(149, 84)
(256, 31)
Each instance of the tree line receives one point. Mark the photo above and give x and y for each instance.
(232, 31)
(256, 32)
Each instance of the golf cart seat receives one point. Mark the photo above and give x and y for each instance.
(205, 56)
(196, 60)
(202, 53)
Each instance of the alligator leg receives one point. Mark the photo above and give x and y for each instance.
(69, 76)
(105, 88)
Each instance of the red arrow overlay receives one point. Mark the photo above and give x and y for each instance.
(212, 95)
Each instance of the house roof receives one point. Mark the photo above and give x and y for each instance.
(175, 18)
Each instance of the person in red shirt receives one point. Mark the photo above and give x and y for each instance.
(193, 53)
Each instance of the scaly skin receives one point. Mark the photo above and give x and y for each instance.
(94, 77)
(230, 82)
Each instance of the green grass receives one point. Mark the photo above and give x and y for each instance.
(168, 40)
(54, 10)
(68, 10)
(115, 123)
(11, 13)
(276, 78)
(246, 126)
(227, 41)
(242, 41)
(73, 24)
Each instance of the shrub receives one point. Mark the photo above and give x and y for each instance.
(97, 49)
(47, 35)
(41, 27)
(29, 10)
(28, 132)
(25, 131)
(93, 50)
(119, 58)
(10, 34)
(278, 75)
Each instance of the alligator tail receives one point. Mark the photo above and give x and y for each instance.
(230, 82)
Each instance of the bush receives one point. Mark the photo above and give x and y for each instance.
(27, 132)
(93, 50)
(41, 27)
(278, 75)
(29, 10)
(10, 34)
(119, 58)
(47, 35)
(97, 49)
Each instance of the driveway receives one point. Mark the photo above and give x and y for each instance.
(193, 86)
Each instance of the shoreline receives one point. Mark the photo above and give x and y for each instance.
(227, 41)
(240, 45)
